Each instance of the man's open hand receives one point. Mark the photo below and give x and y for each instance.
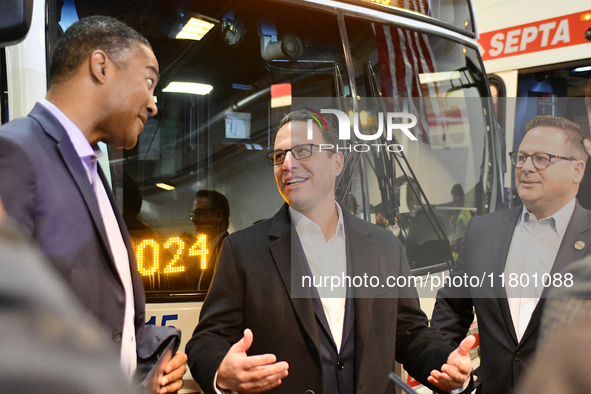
(249, 374)
(458, 368)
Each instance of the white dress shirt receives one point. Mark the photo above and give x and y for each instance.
(89, 157)
(533, 250)
(326, 258)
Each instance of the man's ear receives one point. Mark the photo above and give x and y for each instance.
(98, 63)
(579, 171)
(338, 160)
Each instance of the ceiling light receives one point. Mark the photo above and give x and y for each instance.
(188, 87)
(165, 186)
(581, 69)
(194, 29)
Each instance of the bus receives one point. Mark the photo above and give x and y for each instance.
(538, 58)
(230, 70)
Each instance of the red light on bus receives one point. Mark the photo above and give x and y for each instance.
(586, 17)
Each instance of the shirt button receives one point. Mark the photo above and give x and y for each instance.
(116, 336)
(340, 365)
(527, 300)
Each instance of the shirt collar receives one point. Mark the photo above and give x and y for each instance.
(302, 222)
(561, 218)
(81, 144)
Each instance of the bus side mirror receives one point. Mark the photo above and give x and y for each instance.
(15, 21)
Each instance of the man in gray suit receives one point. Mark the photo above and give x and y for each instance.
(103, 75)
(253, 317)
(536, 240)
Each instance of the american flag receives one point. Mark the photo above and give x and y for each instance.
(403, 55)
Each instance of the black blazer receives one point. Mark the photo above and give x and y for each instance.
(484, 250)
(44, 186)
(252, 289)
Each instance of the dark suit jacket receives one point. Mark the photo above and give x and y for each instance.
(44, 186)
(252, 289)
(485, 249)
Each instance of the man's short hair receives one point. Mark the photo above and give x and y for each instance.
(330, 135)
(572, 131)
(217, 201)
(87, 35)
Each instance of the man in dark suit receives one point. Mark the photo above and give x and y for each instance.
(535, 240)
(564, 337)
(103, 75)
(253, 317)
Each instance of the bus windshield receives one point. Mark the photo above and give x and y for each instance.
(231, 70)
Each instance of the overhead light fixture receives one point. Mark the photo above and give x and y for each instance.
(194, 29)
(165, 186)
(581, 69)
(188, 87)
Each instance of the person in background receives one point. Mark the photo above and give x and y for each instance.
(539, 238)
(211, 217)
(256, 314)
(103, 75)
(459, 220)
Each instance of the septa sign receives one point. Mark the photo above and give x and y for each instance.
(538, 36)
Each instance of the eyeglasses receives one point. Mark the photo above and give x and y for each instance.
(197, 213)
(298, 152)
(540, 160)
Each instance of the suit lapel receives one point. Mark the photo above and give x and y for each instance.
(75, 166)
(577, 230)
(503, 236)
(283, 236)
(362, 257)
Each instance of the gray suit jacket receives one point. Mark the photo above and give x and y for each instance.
(484, 251)
(74, 355)
(252, 289)
(44, 186)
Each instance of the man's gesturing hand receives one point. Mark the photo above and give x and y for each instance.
(457, 369)
(249, 374)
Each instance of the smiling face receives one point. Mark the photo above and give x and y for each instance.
(130, 97)
(545, 192)
(308, 183)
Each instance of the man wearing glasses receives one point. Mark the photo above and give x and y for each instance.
(518, 247)
(255, 334)
(211, 217)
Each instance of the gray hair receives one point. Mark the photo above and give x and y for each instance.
(572, 131)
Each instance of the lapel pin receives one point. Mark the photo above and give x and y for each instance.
(579, 245)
